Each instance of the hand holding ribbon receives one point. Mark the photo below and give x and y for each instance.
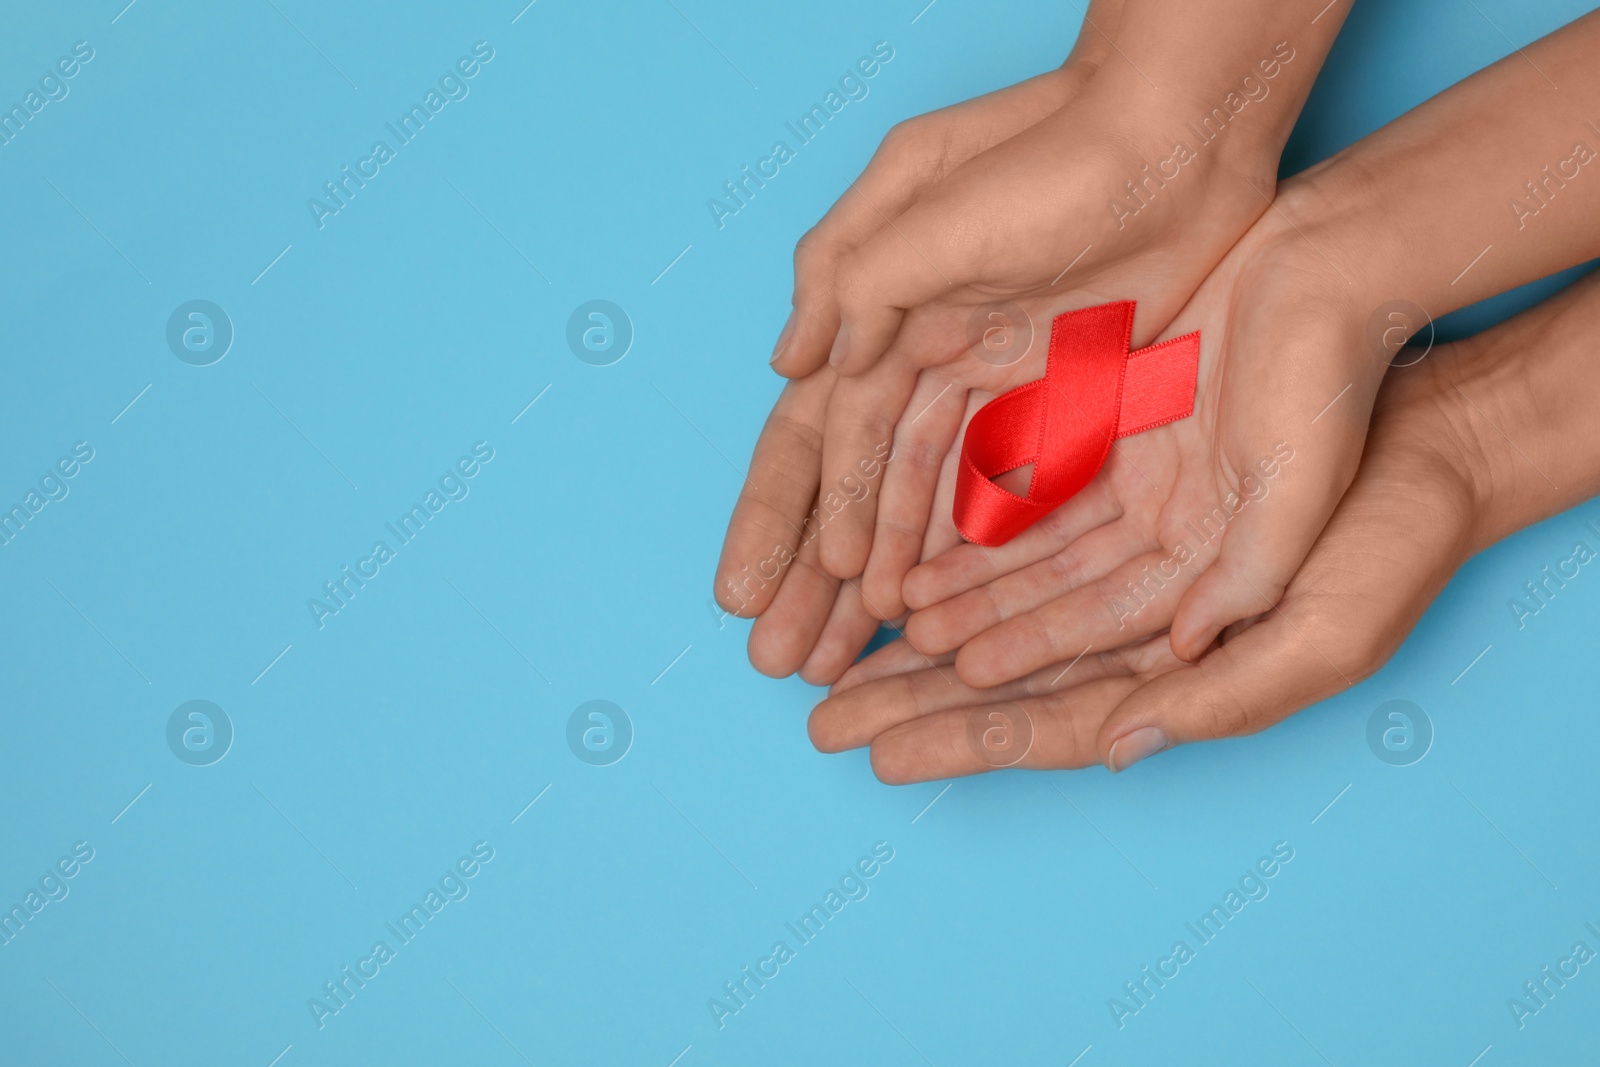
(1094, 391)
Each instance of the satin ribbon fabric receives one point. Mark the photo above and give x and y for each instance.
(1093, 392)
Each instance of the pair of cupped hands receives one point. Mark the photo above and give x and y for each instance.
(1218, 574)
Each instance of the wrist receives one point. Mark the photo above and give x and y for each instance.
(1523, 416)
(1379, 261)
(1236, 98)
(1474, 404)
(1214, 127)
(1425, 433)
(1437, 204)
(1510, 414)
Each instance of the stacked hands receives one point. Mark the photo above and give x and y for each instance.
(1227, 569)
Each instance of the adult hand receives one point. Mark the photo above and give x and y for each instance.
(1105, 191)
(1134, 190)
(809, 620)
(1479, 440)
(1406, 524)
(1288, 362)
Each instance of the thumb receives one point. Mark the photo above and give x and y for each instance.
(1269, 523)
(1255, 680)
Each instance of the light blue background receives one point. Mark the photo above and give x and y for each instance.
(423, 718)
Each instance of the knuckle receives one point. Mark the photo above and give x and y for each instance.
(985, 605)
(1146, 656)
(1122, 609)
(1083, 736)
(850, 280)
(1074, 737)
(1065, 570)
(769, 514)
(1121, 660)
(876, 426)
(922, 633)
(802, 432)
(1365, 656)
(1354, 654)
(913, 450)
(901, 540)
(901, 140)
(1222, 715)
(1046, 635)
(812, 250)
(917, 149)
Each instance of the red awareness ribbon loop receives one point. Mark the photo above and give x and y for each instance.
(1094, 390)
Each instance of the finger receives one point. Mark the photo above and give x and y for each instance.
(951, 623)
(778, 492)
(865, 412)
(923, 255)
(1270, 525)
(897, 657)
(858, 436)
(803, 342)
(913, 157)
(1038, 733)
(942, 535)
(1268, 672)
(901, 168)
(935, 334)
(1134, 601)
(786, 632)
(921, 445)
(853, 716)
(968, 566)
(848, 629)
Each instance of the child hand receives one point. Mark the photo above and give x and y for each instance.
(1196, 524)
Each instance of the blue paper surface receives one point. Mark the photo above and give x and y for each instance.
(235, 862)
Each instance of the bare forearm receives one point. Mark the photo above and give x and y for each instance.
(1524, 396)
(1491, 184)
(1231, 72)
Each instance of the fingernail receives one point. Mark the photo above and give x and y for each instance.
(841, 348)
(783, 339)
(1131, 748)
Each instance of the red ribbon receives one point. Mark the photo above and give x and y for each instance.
(1094, 391)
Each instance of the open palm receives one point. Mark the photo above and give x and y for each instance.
(1191, 526)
